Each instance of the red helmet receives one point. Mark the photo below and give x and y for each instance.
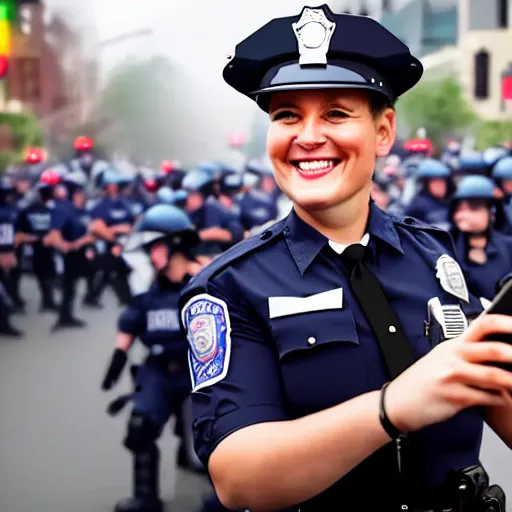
(83, 143)
(419, 146)
(167, 166)
(50, 177)
(34, 156)
(151, 185)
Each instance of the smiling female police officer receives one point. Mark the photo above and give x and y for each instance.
(295, 334)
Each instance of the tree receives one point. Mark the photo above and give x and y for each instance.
(439, 107)
(17, 132)
(138, 102)
(494, 133)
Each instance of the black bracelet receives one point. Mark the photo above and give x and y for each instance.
(390, 429)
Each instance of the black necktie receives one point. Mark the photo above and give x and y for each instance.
(394, 345)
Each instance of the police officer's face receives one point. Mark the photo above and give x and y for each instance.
(507, 187)
(323, 145)
(438, 187)
(472, 216)
(159, 255)
(194, 201)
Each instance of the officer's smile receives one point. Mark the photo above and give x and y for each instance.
(312, 169)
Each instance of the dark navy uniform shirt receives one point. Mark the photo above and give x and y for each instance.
(36, 219)
(73, 223)
(8, 216)
(257, 208)
(482, 278)
(431, 210)
(113, 211)
(154, 319)
(275, 333)
(213, 214)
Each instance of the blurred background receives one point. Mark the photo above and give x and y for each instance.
(143, 80)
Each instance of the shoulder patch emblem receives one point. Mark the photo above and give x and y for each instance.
(206, 320)
(451, 277)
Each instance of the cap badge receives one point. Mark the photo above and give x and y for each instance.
(313, 32)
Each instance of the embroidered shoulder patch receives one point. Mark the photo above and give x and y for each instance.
(206, 320)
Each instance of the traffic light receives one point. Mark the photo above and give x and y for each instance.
(7, 16)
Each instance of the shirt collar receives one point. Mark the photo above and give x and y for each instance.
(340, 248)
(305, 242)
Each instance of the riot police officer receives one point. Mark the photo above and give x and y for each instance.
(431, 205)
(332, 360)
(259, 203)
(167, 236)
(7, 257)
(217, 228)
(32, 227)
(111, 218)
(69, 234)
(485, 254)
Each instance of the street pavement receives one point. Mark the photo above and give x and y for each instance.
(59, 450)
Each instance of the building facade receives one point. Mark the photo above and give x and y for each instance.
(485, 46)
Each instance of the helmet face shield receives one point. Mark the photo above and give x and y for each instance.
(138, 240)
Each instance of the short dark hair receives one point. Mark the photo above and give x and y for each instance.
(379, 103)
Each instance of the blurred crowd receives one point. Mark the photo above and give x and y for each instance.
(144, 232)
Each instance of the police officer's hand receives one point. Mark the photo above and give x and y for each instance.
(453, 376)
(116, 250)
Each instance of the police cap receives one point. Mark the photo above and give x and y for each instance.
(319, 49)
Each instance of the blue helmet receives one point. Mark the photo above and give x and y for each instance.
(210, 168)
(197, 180)
(493, 155)
(475, 187)
(180, 198)
(503, 169)
(431, 168)
(165, 195)
(231, 183)
(472, 162)
(112, 177)
(256, 167)
(163, 222)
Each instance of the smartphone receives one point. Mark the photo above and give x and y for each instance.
(502, 305)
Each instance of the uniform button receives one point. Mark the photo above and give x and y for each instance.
(392, 329)
(311, 340)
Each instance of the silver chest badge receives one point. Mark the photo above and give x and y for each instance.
(313, 32)
(452, 279)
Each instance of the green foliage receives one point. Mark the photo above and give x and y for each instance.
(7, 158)
(439, 107)
(25, 129)
(25, 132)
(138, 103)
(494, 133)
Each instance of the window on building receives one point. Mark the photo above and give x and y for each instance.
(482, 63)
(503, 8)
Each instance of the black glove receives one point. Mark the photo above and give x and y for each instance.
(115, 368)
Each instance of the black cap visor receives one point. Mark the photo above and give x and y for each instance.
(338, 74)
